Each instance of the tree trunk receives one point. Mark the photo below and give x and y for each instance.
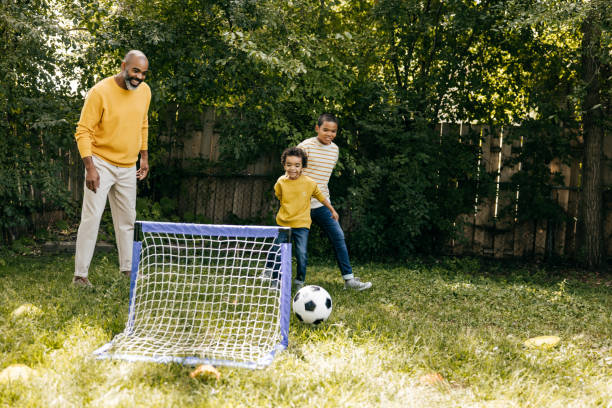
(591, 248)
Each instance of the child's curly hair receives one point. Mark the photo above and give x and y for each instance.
(297, 152)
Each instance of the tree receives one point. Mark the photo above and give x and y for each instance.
(34, 106)
(594, 55)
(576, 97)
(391, 70)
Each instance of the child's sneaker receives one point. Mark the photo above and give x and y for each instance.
(356, 284)
(298, 284)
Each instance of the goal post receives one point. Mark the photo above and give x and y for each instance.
(206, 294)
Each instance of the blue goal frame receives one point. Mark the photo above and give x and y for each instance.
(141, 227)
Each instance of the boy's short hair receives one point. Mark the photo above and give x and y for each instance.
(294, 151)
(327, 117)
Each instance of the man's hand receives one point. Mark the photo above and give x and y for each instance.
(143, 169)
(92, 178)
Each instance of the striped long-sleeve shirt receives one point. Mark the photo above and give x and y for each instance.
(321, 162)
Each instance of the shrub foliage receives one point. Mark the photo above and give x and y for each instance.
(390, 70)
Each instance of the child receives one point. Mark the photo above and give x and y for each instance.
(294, 191)
(323, 155)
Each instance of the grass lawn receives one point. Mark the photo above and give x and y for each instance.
(441, 334)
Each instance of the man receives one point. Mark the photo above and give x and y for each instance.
(322, 158)
(112, 131)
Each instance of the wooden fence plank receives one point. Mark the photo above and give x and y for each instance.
(521, 234)
(465, 223)
(502, 233)
(562, 197)
(209, 138)
(572, 207)
(482, 236)
(240, 195)
(540, 238)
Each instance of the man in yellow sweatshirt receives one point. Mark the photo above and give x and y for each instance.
(294, 191)
(112, 131)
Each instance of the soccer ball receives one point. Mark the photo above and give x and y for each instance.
(312, 304)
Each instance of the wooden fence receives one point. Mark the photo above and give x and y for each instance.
(485, 232)
(245, 196)
(249, 196)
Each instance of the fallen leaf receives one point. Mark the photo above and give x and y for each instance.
(542, 341)
(431, 379)
(205, 369)
(27, 309)
(17, 372)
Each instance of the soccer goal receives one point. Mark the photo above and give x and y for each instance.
(204, 294)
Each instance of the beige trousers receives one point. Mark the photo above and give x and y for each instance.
(119, 185)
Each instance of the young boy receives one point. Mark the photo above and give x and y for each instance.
(294, 191)
(322, 155)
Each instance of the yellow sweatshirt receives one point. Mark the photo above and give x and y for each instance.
(294, 197)
(114, 124)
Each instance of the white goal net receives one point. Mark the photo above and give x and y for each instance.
(214, 294)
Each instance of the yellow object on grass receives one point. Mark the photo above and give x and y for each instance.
(542, 342)
(27, 309)
(17, 372)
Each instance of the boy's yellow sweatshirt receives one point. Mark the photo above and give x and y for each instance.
(294, 197)
(113, 124)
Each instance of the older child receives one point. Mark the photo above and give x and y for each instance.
(294, 191)
(322, 155)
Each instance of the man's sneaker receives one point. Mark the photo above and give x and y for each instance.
(356, 284)
(127, 274)
(81, 281)
(298, 284)
(267, 274)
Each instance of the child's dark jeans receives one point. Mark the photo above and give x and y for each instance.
(299, 239)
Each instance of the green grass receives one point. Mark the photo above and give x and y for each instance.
(463, 319)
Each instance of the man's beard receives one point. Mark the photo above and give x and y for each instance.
(129, 85)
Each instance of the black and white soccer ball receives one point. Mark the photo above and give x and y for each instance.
(312, 304)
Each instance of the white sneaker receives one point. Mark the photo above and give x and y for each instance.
(297, 284)
(356, 284)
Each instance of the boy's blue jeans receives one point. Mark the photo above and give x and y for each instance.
(322, 217)
(299, 239)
